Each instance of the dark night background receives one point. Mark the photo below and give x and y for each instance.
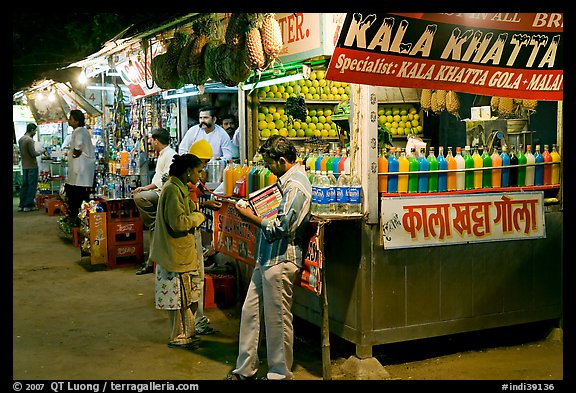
(47, 41)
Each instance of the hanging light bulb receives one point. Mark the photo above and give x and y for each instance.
(82, 77)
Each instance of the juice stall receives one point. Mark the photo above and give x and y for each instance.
(420, 265)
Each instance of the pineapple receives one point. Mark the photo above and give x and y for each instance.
(434, 102)
(441, 99)
(235, 35)
(425, 99)
(271, 36)
(452, 103)
(530, 104)
(494, 101)
(506, 106)
(256, 56)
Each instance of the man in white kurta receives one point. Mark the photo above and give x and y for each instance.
(81, 165)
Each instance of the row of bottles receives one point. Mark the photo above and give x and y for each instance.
(241, 180)
(466, 170)
(334, 161)
(124, 161)
(342, 196)
(114, 186)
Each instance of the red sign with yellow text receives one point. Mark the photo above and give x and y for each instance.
(517, 55)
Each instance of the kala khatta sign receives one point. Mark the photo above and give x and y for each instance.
(515, 55)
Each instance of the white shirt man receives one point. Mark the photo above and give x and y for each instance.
(208, 129)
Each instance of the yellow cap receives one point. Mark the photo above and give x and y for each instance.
(201, 149)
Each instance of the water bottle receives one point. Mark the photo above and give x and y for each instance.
(342, 193)
(355, 195)
(333, 207)
(323, 201)
(314, 203)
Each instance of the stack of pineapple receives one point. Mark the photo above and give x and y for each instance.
(508, 107)
(226, 53)
(440, 100)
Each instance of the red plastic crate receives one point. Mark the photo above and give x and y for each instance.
(129, 254)
(125, 231)
(55, 207)
(121, 209)
(219, 290)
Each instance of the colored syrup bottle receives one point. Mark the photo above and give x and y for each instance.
(505, 179)
(403, 166)
(451, 176)
(342, 162)
(413, 166)
(469, 164)
(335, 163)
(513, 181)
(271, 178)
(393, 166)
(539, 168)
(530, 169)
(433, 168)
(522, 169)
(382, 167)
(547, 167)
(442, 166)
(478, 163)
(324, 163)
(496, 173)
(460, 166)
(229, 179)
(249, 184)
(486, 173)
(310, 162)
(318, 163)
(555, 165)
(423, 166)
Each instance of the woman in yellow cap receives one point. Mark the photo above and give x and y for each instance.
(203, 151)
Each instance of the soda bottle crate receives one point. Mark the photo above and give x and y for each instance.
(55, 207)
(125, 231)
(127, 254)
(41, 199)
(219, 290)
(121, 209)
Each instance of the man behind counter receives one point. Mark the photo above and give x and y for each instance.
(208, 129)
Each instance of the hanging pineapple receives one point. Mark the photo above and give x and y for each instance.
(434, 102)
(271, 36)
(235, 35)
(425, 100)
(506, 106)
(530, 104)
(256, 55)
(494, 101)
(441, 99)
(452, 103)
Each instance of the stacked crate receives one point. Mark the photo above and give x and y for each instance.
(125, 233)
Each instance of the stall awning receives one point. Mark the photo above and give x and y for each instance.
(517, 55)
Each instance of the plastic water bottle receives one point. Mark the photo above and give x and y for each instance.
(332, 193)
(342, 193)
(314, 182)
(355, 195)
(323, 183)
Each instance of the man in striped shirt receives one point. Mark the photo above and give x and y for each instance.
(279, 245)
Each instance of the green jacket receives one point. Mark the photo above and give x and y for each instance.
(174, 245)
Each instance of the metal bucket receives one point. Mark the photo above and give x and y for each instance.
(215, 171)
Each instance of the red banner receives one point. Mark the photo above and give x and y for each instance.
(515, 55)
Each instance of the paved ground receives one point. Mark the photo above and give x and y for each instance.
(76, 321)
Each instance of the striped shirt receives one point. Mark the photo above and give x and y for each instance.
(281, 239)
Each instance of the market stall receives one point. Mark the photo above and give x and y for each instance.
(427, 264)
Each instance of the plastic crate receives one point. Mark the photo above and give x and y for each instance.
(121, 255)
